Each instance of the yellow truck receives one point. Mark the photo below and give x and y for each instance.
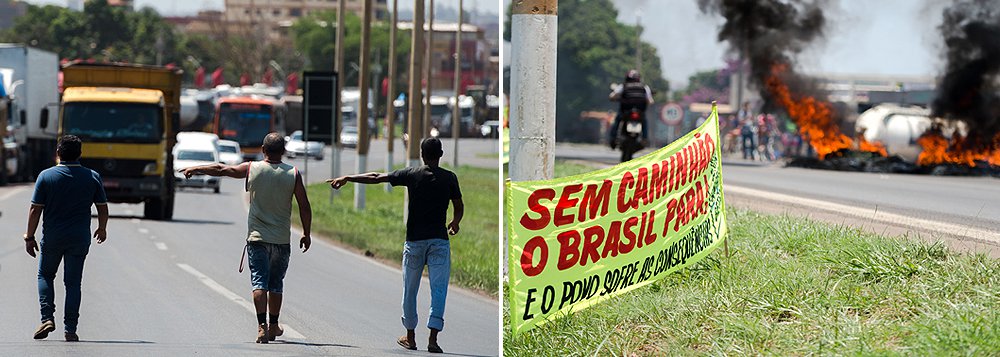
(127, 116)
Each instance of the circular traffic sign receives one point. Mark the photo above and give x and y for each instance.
(671, 114)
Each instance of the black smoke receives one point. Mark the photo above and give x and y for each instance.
(768, 33)
(968, 89)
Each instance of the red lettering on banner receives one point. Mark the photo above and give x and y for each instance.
(592, 239)
(528, 255)
(612, 240)
(624, 248)
(688, 206)
(569, 249)
(671, 214)
(642, 231)
(650, 236)
(566, 202)
(534, 204)
(627, 182)
(641, 188)
(595, 200)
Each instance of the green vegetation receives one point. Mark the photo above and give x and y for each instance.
(795, 287)
(379, 229)
(594, 51)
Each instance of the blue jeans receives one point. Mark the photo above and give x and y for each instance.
(51, 254)
(268, 264)
(436, 255)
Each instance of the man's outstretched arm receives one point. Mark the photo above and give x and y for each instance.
(367, 178)
(234, 171)
(305, 213)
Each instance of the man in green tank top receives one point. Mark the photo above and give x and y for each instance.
(271, 184)
(431, 189)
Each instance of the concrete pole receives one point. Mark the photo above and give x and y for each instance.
(413, 116)
(363, 82)
(533, 42)
(456, 114)
(335, 148)
(430, 78)
(390, 115)
(416, 98)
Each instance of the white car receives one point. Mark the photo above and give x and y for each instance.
(294, 146)
(194, 150)
(349, 136)
(229, 152)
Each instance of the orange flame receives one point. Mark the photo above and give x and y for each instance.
(876, 147)
(960, 151)
(814, 117)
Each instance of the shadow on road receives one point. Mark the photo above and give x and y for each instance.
(175, 220)
(311, 344)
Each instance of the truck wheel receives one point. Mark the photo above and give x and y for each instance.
(168, 209)
(218, 189)
(153, 209)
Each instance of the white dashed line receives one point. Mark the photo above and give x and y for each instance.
(231, 296)
(143, 231)
(12, 192)
(161, 245)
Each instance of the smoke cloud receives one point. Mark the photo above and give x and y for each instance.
(968, 89)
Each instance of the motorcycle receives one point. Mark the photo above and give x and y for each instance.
(630, 134)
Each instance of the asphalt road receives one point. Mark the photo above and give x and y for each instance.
(172, 288)
(473, 152)
(965, 210)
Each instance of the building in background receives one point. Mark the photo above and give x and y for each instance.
(478, 56)
(10, 10)
(277, 16)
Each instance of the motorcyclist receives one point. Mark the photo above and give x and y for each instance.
(633, 94)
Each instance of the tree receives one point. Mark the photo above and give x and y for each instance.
(314, 36)
(594, 50)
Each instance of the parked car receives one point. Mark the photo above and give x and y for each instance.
(294, 146)
(194, 151)
(490, 129)
(349, 136)
(229, 152)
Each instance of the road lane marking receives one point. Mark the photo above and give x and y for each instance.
(161, 245)
(869, 213)
(136, 220)
(12, 192)
(231, 296)
(143, 231)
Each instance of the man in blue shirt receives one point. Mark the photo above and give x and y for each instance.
(62, 199)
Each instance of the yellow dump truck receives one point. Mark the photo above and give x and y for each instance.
(127, 117)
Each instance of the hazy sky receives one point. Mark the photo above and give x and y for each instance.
(887, 37)
(184, 7)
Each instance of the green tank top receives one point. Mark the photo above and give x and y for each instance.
(271, 187)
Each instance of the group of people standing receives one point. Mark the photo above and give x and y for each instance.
(758, 137)
(65, 193)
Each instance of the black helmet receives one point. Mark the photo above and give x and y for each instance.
(633, 76)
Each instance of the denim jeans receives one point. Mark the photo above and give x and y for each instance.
(73, 254)
(268, 264)
(436, 255)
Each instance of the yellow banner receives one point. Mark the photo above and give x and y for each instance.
(578, 240)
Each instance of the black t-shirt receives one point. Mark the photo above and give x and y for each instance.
(430, 190)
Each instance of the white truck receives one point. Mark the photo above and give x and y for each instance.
(31, 82)
(896, 127)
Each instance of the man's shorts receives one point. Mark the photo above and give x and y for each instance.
(268, 263)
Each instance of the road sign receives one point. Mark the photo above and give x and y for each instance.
(319, 98)
(671, 114)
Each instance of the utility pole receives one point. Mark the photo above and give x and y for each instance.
(390, 115)
(416, 54)
(638, 41)
(456, 111)
(430, 66)
(534, 25)
(416, 97)
(363, 78)
(335, 128)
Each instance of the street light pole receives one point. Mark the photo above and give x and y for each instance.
(456, 116)
(363, 78)
(413, 145)
(390, 115)
(430, 78)
(335, 128)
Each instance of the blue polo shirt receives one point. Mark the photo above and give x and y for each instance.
(66, 192)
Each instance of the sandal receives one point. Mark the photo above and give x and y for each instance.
(405, 343)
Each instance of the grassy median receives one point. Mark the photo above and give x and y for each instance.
(793, 286)
(379, 229)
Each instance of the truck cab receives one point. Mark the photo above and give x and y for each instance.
(126, 116)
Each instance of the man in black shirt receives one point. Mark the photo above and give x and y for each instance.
(431, 188)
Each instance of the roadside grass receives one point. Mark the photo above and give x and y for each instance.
(793, 286)
(379, 230)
